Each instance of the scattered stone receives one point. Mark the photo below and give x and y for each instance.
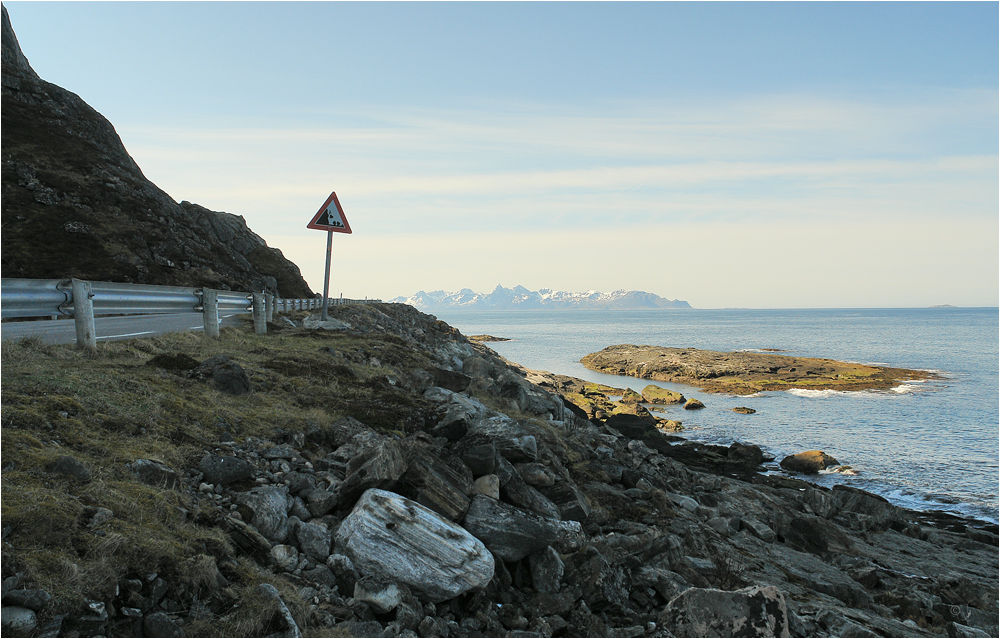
(744, 410)
(155, 473)
(224, 469)
(758, 611)
(693, 404)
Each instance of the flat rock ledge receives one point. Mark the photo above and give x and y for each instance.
(744, 373)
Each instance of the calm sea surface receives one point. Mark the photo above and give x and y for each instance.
(925, 445)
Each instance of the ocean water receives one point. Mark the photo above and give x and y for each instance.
(929, 445)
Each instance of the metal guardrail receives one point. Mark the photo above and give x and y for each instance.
(24, 298)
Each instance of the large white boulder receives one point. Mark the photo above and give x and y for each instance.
(396, 539)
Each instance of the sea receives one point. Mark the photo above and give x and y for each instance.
(925, 445)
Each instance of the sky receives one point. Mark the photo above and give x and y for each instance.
(761, 155)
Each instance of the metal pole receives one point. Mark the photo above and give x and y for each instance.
(83, 315)
(326, 280)
(210, 312)
(259, 314)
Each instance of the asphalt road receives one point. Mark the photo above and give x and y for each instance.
(114, 328)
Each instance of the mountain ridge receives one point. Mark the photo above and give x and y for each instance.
(521, 298)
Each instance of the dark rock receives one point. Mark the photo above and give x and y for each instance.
(812, 534)
(693, 404)
(174, 362)
(314, 540)
(512, 440)
(442, 487)
(343, 571)
(705, 612)
(18, 621)
(513, 534)
(480, 458)
(379, 466)
(547, 570)
(224, 469)
(270, 592)
(604, 584)
(267, 510)
(160, 624)
(572, 503)
(33, 599)
(450, 380)
(69, 467)
(320, 575)
(515, 491)
(382, 595)
(228, 376)
(155, 473)
(321, 502)
(878, 514)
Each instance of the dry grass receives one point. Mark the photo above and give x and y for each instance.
(109, 408)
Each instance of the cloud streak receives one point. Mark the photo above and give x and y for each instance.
(878, 178)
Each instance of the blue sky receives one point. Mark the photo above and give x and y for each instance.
(727, 154)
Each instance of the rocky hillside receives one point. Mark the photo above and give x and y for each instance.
(75, 204)
(520, 298)
(380, 475)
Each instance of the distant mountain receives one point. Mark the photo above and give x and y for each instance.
(521, 298)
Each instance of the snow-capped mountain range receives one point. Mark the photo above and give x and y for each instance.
(521, 298)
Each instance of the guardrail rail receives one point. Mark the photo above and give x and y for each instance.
(84, 300)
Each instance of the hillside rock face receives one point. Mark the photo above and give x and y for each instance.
(75, 204)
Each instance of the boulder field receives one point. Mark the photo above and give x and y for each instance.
(509, 512)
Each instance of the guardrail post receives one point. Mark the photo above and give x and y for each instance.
(269, 305)
(83, 314)
(210, 312)
(259, 314)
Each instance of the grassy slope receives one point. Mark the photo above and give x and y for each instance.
(111, 408)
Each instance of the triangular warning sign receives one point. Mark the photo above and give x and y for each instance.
(330, 217)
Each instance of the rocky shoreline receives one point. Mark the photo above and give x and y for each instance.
(496, 506)
(745, 373)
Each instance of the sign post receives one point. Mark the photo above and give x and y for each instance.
(329, 218)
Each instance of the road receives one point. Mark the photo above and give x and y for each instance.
(114, 328)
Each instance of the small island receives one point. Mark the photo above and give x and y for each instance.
(487, 338)
(745, 373)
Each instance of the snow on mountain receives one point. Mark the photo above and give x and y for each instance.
(521, 298)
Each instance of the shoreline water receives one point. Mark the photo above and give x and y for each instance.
(936, 517)
(936, 433)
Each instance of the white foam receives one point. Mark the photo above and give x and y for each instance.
(815, 394)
